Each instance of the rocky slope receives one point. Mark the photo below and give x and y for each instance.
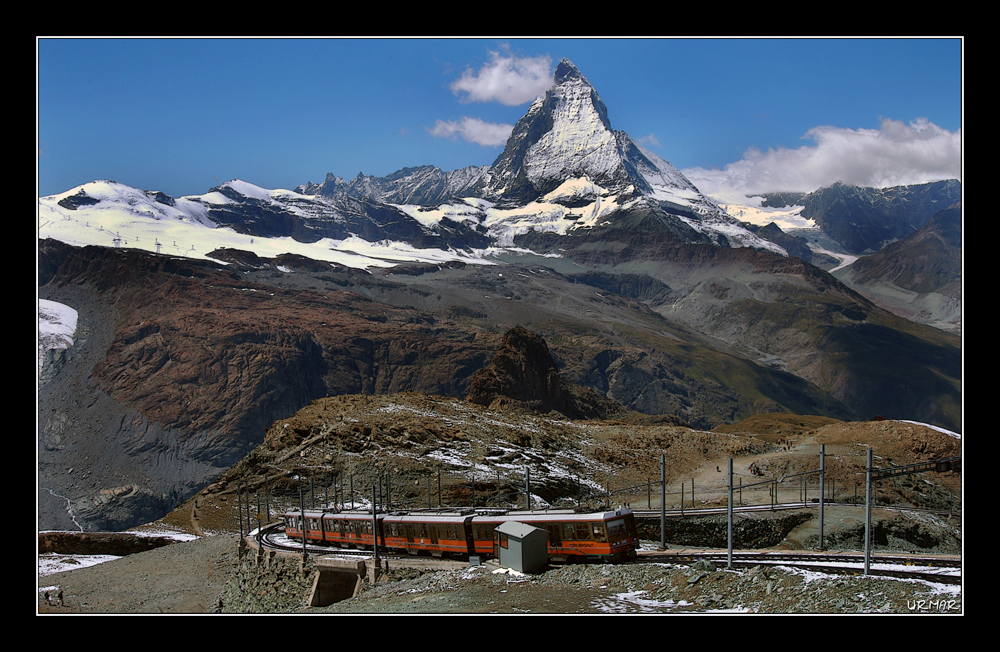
(918, 277)
(788, 314)
(400, 442)
(522, 373)
(420, 449)
(182, 365)
(865, 219)
(425, 186)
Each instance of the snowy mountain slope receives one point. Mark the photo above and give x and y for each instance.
(56, 329)
(566, 137)
(563, 171)
(108, 214)
(425, 185)
(103, 212)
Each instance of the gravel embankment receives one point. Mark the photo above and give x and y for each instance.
(205, 576)
(184, 577)
(650, 588)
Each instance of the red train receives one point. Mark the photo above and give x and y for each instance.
(601, 536)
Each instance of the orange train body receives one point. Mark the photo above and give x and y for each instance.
(604, 536)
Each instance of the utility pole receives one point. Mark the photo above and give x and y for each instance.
(868, 511)
(822, 486)
(375, 531)
(663, 502)
(302, 523)
(729, 504)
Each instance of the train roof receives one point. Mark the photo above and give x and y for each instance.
(424, 517)
(553, 515)
(451, 516)
(319, 513)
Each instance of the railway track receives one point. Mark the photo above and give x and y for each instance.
(776, 507)
(932, 569)
(270, 538)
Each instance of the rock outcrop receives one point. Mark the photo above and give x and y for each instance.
(523, 373)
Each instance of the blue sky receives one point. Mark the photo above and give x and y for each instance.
(181, 115)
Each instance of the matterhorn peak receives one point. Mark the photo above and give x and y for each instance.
(565, 143)
(565, 135)
(567, 71)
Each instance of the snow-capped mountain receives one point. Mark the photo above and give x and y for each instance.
(563, 171)
(423, 186)
(240, 215)
(566, 134)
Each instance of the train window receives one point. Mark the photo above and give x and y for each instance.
(554, 536)
(616, 529)
(568, 531)
(582, 531)
(599, 531)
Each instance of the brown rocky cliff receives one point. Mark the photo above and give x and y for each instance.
(523, 372)
(180, 366)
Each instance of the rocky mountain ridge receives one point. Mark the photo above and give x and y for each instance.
(425, 185)
(647, 293)
(182, 364)
(918, 277)
(863, 220)
(195, 359)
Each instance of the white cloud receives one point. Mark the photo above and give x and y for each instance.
(506, 79)
(649, 141)
(473, 130)
(895, 154)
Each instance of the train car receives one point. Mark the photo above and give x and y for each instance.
(438, 534)
(602, 536)
(341, 529)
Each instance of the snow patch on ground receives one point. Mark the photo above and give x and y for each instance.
(56, 327)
